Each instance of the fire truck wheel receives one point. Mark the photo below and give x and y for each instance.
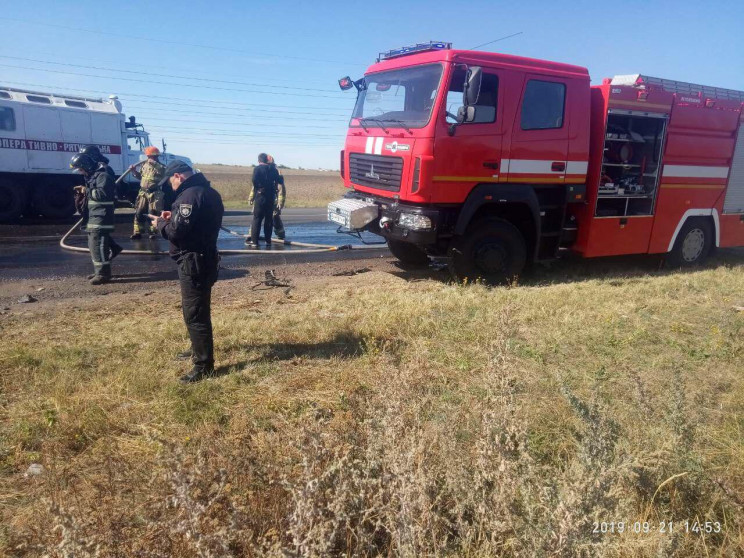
(694, 243)
(54, 201)
(408, 253)
(493, 251)
(12, 201)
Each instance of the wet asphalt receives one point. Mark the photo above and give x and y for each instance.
(30, 249)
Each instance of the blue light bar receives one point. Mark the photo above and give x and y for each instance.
(419, 47)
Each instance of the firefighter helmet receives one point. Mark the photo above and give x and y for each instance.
(152, 151)
(84, 162)
(94, 153)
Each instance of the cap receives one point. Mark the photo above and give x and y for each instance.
(174, 167)
(151, 150)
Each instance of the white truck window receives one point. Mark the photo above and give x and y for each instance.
(7, 119)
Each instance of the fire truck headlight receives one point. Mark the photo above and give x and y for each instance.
(414, 221)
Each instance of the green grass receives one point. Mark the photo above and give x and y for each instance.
(375, 416)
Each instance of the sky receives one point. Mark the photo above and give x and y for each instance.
(222, 81)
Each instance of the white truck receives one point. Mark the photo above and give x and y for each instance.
(40, 132)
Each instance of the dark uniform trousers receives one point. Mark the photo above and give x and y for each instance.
(263, 211)
(100, 244)
(197, 273)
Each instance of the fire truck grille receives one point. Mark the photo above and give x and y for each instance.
(376, 171)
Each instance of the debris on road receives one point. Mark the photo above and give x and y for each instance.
(271, 281)
(34, 470)
(25, 299)
(351, 272)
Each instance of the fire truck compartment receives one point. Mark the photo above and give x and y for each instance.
(631, 164)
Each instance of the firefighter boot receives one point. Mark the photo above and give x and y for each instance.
(100, 280)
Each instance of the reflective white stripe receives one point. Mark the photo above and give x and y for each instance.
(368, 147)
(540, 166)
(378, 146)
(696, 213)
(690, 171)
(577, 167)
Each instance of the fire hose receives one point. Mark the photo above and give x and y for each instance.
(308, 248)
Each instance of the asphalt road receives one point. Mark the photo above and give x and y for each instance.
(31, 250)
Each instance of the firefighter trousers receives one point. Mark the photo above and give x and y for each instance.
(263, 211)
(147, 202)
(278, 226)
(100, 244)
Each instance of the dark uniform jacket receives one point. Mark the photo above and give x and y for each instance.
(265, 179)
(196, 219)
(100, 197)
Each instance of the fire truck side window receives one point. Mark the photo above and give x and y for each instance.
(543, 105)
(7, 119)
(485, 108)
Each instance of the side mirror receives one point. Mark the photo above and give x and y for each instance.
(472, 85)
(345, 83)
(465, 114)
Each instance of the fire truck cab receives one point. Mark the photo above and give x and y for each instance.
(498, 161)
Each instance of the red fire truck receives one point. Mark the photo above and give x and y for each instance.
(498, 161)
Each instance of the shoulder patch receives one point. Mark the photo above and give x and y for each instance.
(185, 209)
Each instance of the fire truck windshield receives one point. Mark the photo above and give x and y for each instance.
(398, 98)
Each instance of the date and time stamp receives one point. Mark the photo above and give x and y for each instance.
(686, 526)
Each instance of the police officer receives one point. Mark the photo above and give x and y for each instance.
(281, 196)
(265, 179)
(150, 196)
(98, 215)
(192, 228)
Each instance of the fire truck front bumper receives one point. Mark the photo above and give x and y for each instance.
(396, 221)
(407, 223)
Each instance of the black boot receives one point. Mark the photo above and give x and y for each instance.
(100, 280)
(185, 355)
(197, 374)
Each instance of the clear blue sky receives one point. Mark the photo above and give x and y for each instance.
(222, 81)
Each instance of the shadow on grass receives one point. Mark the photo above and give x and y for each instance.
(574, 269)
(158, 276)
(343, 345)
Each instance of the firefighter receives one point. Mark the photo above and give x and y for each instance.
(281, 196)
(150, 196)
(94, 153)
(98, 215)
(192, 228)
(265, 180)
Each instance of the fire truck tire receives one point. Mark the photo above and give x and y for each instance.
(492, 251)
(54, 201)
(12, 201)
(408, 253)
(694, 244)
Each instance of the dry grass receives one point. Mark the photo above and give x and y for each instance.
(305, 188)
(371, 416)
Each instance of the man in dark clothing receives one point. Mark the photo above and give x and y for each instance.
(94, 153)
(98, 215)
(192, 228)
(265, 179)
